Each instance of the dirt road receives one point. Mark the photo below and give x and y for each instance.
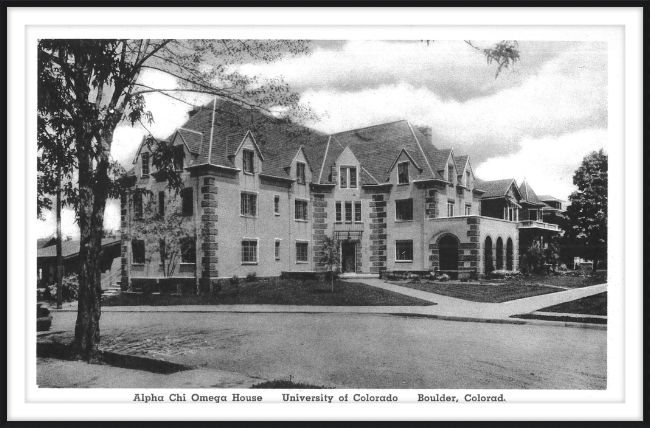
(364, 351)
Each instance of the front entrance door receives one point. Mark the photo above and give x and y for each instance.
(348, 257)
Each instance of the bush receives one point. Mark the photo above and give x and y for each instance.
(413, 277)
(251, 277)
(504, 274)
(443, 278)
(234, 280)
(69, 289)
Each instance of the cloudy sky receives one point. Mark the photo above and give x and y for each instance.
(535, 121)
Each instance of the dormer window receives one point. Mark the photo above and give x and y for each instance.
(450, 174)
(300, 172)
(248, 156)
(467, 179)
(179, 158)
(403, 173)
(145, 164)
(348, 177)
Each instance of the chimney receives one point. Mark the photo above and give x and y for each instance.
(427, 131)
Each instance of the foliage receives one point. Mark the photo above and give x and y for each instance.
(331, 256)
(163, 234)
(586, 227)
(504, 53)
(234, 280)
(87, 87)
(69, 289)
(251, 277)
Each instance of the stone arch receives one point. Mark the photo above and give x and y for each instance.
(499, 255)
(509, 254)
(489, 265)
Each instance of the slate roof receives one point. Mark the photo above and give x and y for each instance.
(71, 248)
(461, 161)
(529, 195)
(544, 198)
(494, 188)
(193, 139)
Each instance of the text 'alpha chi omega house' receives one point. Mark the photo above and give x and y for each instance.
(263, 194)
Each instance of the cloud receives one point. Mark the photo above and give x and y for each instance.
(547, 163)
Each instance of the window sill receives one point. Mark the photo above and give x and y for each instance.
(277, 214)
(403, 184)
(301, 220)
(248, 173)
(302, 263)
(249, 263)
(403, 261)
(247, 216)
(404, 221)
(137, 264)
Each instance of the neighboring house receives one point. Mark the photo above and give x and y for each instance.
(264, 194)
(554, 210)
(46, 260)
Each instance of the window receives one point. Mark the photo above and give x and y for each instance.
(276, 204)
(137, 205)
(532, 215)
(404, 251)
(179, 158)
(300, 172)
(249, 251)
(161, 203)
(301, 209)
(403, 173)
(468, 210)
(348, 177)
(248, 156)
(353, 177)
(450, 208)
(301, 252)
(277, 249)
(467, 179)
(188, 250)
(188, 201)
(338, 212)
(450, 174)
(248, 204)
(357, 211)
(137, 250)
(348, 212)
(404, 209)
(145, 164)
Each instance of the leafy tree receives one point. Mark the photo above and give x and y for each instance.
(586, 227)
(87, 87)
(164, 231)
(331, 256)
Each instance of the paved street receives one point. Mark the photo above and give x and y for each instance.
(363, 350)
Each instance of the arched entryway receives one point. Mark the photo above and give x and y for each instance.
(448, 248)
(499, 253)
(509, 252)
(489, 266)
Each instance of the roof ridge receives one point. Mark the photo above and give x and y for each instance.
(322, 166)
(433, 173)
(371, 126)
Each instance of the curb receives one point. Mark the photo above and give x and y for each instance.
(134, 362)
(507, 321)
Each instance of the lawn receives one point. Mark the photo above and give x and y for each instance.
(591, 305)
(560, 281)
(276, 292)
(484, 293)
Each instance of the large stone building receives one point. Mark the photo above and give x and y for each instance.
(263, 195)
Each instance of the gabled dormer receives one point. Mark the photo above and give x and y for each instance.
(246, 154)
(404, 169)
(347, 168)
(299, 168)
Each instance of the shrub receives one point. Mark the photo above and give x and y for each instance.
(413, 277)
(443, 278)
(504, 274)
(69, 289)
(234, 280)
(251, 277)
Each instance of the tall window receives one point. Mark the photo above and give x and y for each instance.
(179, 157)
(348, 177)
(348, 212)
(301, 252)
(532, 215)
(137, 205)
(277, 249)
(300, 172)
(357, 211)
(276, 204)
(338, 212)
(248, 156)
(137, 251)
(450, 208)
(145, 163)
(249, 251)
(468, 209)
(188, 201)
(404, 251)
(403, 173)
(188, 250)
(301, 209)
(467, 178)
(161, 203)
(450, 174)
(404, 209)
(249, 204)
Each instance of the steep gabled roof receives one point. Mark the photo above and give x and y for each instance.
(71, 248)
(461, 162)
(545, 198)
(192, 139)
(529, 195)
